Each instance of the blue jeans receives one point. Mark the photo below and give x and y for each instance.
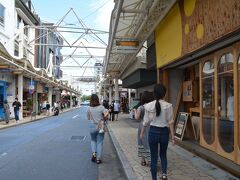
(158, 135)
(16, 114)
(96, 141)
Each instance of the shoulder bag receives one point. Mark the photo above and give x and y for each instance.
(97, 124)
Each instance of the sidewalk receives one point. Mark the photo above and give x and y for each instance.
(182, 165)
(28, 119)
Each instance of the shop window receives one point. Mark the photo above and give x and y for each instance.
(226, 102)
(208, 101)
(2, 18)
(16, 48)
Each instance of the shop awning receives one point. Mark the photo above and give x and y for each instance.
(23, 66)
(140, 78)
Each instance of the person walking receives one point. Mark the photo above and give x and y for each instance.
(96, 113)
(105, 104)
(159, 114)
(116, 108)
(111, 109)
(48, 108)
(143, 147)
(6, 110)
(16, 105)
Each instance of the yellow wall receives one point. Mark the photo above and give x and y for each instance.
(168, 37)
(192, 24)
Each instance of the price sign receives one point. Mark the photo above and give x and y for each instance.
(181, 125)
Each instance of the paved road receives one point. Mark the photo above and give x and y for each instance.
(55, 148)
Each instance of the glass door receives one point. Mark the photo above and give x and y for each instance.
(208, 102)
(226, 102)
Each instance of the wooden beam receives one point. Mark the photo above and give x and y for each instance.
(179, 96)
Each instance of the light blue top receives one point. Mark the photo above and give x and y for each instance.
(95, 114)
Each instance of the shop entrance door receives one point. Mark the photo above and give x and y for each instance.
(2, 97)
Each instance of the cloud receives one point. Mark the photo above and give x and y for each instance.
(104, 15)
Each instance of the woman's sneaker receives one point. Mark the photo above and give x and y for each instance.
(101, 131)
(94, 157)
(164, 177)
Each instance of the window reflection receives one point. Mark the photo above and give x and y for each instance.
(226, 102)
(208, 101)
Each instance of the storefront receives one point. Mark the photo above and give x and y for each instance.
(198, 59)
(42, 96)
(220, 102)
(29, 99)
(2, 97)
(6, 88)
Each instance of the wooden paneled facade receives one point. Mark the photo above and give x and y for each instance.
(213, 76)
(219, 109)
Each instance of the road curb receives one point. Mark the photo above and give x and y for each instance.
(128, 170)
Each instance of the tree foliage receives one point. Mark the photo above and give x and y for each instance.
(85, 98)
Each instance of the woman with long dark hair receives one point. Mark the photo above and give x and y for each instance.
(159, 114)
(96, 113)
(143, 147)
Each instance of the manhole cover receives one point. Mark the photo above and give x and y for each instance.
(78, 138)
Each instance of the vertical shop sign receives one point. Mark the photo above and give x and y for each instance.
(31, 87)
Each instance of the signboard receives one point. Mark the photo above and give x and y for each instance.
(127, 45)
(123, 94)
(181, 125)
(31, 87)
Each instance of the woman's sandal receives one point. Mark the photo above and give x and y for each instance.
(98, 161)
(143, 163)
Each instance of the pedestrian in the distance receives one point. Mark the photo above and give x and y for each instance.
(105, 104)
(16, 107)
(111, 109)
(61, 106)
(6, 110)
(116, 108)
(159, 114)
(48, 108)
(143, 147)
(96, 113)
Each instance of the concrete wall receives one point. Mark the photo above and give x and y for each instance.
(7, 32)
(142, 89)
(139, 63)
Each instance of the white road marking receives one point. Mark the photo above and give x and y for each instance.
(75, 116)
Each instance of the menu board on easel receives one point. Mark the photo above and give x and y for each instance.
(181, 125)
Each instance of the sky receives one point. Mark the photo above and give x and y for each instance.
(95, 14)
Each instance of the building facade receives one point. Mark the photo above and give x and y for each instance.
(199, 54)
(19, 76)
(47, 43)
(195, 45)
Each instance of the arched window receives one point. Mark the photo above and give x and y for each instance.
(226, 102)
(208, 101)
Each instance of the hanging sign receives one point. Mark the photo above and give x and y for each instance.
(127, 46)
(31, 87)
